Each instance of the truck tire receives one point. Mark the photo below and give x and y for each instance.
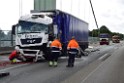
(79, 54)
(108, 43)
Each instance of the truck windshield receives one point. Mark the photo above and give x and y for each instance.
(30, 27)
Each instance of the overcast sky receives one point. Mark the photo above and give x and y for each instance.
(10, 11)
(108, 12)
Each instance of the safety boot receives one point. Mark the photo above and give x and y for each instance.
(55, 64)
(13, 61)
(50, 63)
(70, 65)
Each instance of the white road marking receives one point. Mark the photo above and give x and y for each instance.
(91, 73)
(104, 56)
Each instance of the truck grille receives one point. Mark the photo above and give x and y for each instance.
(30, 52)
(31, 41)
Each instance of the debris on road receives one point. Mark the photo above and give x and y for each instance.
(3, 74)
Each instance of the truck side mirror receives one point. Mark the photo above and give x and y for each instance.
(13, 29)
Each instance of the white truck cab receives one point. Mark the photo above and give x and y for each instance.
(32, 34)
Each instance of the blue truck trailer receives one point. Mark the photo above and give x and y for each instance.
(33, 32)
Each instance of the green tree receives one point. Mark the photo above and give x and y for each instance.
(104, 29)
(90, 33)
(95, 32)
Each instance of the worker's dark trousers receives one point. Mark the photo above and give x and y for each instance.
(16, 57)
(54, 56)
(71, 59)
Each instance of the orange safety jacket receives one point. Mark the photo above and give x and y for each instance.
(73, 46)
(56, 46)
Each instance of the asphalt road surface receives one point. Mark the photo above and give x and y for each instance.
(42, 73)
(110, 71)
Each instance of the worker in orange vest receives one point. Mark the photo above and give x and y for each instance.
(56, 48)
(72, 49)
(16, 55)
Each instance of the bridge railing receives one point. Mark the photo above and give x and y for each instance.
(93, 40)
(6, 38)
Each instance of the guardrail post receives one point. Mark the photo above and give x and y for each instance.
(11, 40)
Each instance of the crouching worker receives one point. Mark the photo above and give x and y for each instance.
(16, 55)
(56, 47)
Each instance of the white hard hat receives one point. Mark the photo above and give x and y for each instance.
(17, 48)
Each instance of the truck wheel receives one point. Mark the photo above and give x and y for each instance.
(78, 55)
(107, 43)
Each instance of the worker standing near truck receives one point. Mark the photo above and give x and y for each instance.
(72, 49)
(56, 47)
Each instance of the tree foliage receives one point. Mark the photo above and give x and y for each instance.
(104, 29)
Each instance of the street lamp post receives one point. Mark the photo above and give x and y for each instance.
(20, 8)
(94, 17)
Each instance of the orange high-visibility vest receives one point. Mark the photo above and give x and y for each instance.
(56, 45)
(72, 44)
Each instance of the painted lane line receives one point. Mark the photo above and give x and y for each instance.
(103, 57)
(92, 72)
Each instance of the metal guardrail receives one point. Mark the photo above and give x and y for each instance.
(6, 38)
(7, 41)
(93, 40)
